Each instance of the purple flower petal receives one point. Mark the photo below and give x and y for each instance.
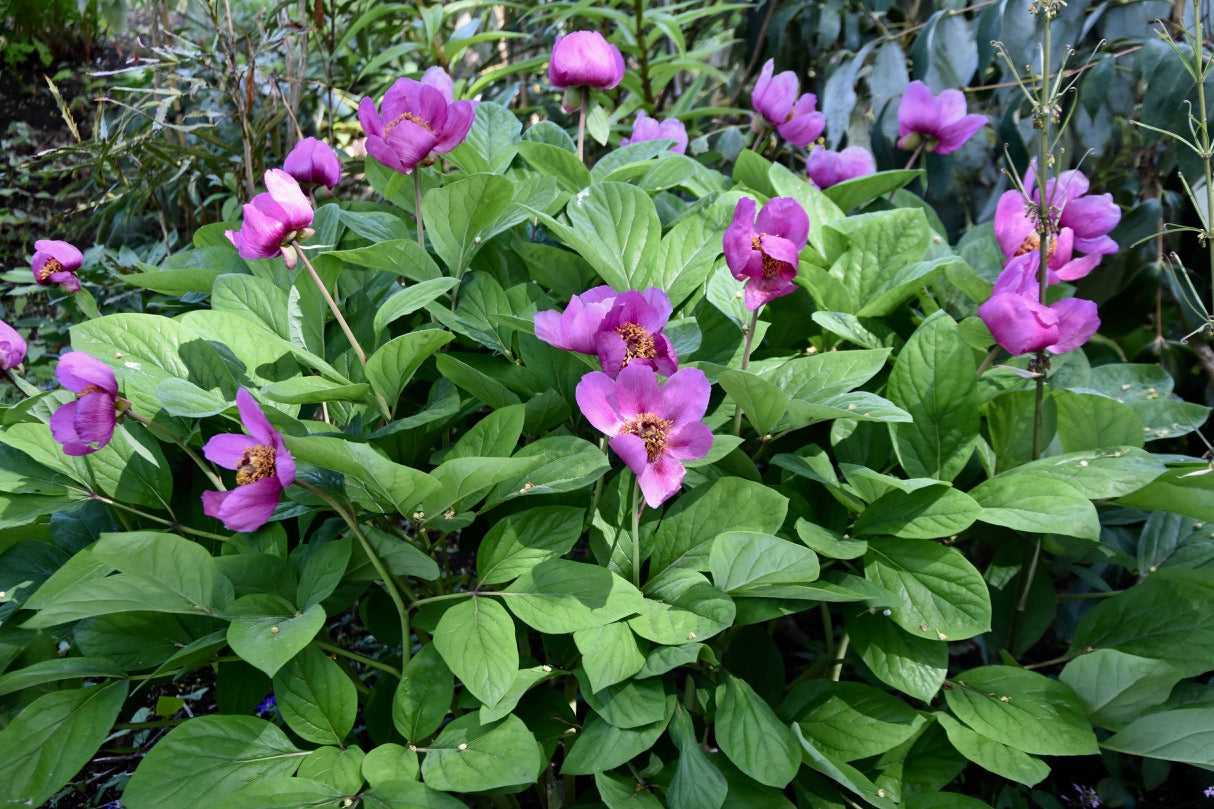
(254, 421)
(596, 398)
(1018, 324)
(1077, 322)
(12, 347)
(227, 449)
(784, 216)
(637, 391)
(585, 59)
(95, 418)
(632, 451)
(660, 481)
(685, 396)
(77, 371)
(245, 508)
(690, 442)
(63, 430)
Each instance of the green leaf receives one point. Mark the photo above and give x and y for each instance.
(393, 364)
(1087, 421)
(942, 595)
(914, 665)
(266, 631)
(1165, 617)
(927, 513)
(390, 762)
(522, 540)
(684, 537)
(181, 398)
(340, 769)
(992, 755)
(557, 162)
(492, 142)
(52, 738)
(615, 227)
(312, 390)
(166, 562)
(668, 658)
(384, 482)
(1022, 709)
(1186, 735)
(1187, 490)
(567, 463)
(397, 254)
(844, 774)
(211, 756)
(462, 215)
(176, 281)
(398, 556)
(933, 380)
(687, 255)
(152, 345)
(258, 299)
(681, 606)
(412, 794)
(752, 736)
(476, 640)
(609, 655)
(697, 783)
(1098, 474)
(763, 402)
(944, 800)
(407, 300)
(631, 704)
(600, 746)
(1036, 504)
(1116, 688)
(857, 191)
(524, 680)
(470, 757)
(323, 571)
(423, 696)
(563, 596)
(740, 560)
(316, 698)
(850, 721)
(284, 793)
(625, 793)
(65, 668)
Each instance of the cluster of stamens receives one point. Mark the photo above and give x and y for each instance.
(638, 343)
(48, 269)
(256, 463)
(771, 266)
(652, 430)
(406, 116)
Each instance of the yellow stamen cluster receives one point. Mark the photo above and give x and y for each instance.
(406, 116)
(48, 269)
(638, 343)
(256, 463)
(652, 430)
(771, 266)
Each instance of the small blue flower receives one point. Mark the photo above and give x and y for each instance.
(267, 706)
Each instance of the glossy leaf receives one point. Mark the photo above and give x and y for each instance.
(476, 640)
(315, 697)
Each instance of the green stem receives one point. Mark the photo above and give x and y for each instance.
(581, 124)
(167, 433)
(747, 342)
(1199, 50)
(597, 493)
(1044, 223)
(447, 597)
(176, 526)
(914, 156)
(643, 53)
(417, 208)
(22, 385)
(376, 562)
(840, 654)
(357, 658)
(638, 505)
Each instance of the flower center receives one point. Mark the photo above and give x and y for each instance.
(406, 116)
(1032, 242)
(638, 343)
(48, 269)
(92, 389)
(256, 463)
(771, 266)
(652, 430)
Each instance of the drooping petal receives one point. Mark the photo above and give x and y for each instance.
(1018, 324)
(956, 134)
(63, 430)
(1012, 224)
(666, 361)
(596, 398)
(805, 125)
(228, 449)
(761, 291)
(917, 111)
(1077, 322)
(77, 371)
(290, 198)
(245, 508)
(612, 351)
(455, 128)
(783, 251)
(784, 216)
(738, 239)
(95, 418)
(284, 463)
(368, 118)
(661, 481)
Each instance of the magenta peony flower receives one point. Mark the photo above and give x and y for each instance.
(86, 424)
(827, 168)
(416, 119)
(274, 219)
(653, 428)
(764, 253)
(621, 328)
(585, 59)
(1021, 324)
(263, 467)
(1079, 221)
(12, 347)
(937, 123)
(313, 161)
(647, 128)
(775, 98)
(57, 262)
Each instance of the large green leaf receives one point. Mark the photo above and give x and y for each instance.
(462, 215)
(929, 512)
(492, 142)
(210, 756)
(681, 606)
(741, 560)
(1098, 474)
(600, 746)
(152, 345)
(763, 402)
(423, 696)
(697, 783)
(752, 736)
(942, 595)
(934, 381)
(1117, 688)
(1088, 421)
(850, 721)
(476, 640)
(1022, 709)
(992, 755)
(1186, 735)
(393, 364)
(842, 773)
(522, 540)
(315, 697)
(258, 299)
(383, 482)
(267, 631)
(631, 704)
(60, 668)
(470, 757)
(563, 596)
(615, 227)
(52, 738)
(1038, 504)
(166, 562)
(912, 664)
(609, 655)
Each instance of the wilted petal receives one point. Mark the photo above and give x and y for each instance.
(95, 418)
(63, 430)
(805, 124)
